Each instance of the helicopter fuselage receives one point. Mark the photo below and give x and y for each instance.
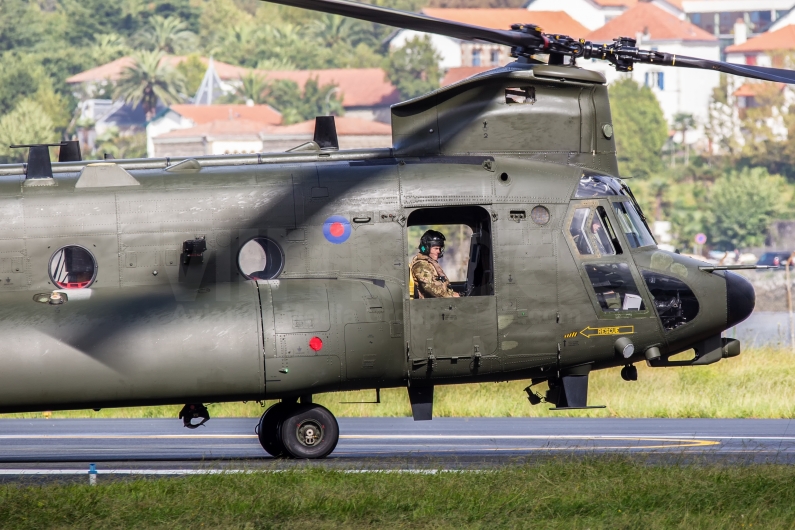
(136, 283)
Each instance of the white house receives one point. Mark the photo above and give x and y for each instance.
(457, 53)
(235, 136)
(593, 14)
(226, 117)
(679, 90)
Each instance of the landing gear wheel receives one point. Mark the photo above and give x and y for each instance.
(309, 431)
(268, 429)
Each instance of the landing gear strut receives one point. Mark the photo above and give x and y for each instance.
(298, 430)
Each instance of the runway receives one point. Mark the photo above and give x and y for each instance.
(385, 443)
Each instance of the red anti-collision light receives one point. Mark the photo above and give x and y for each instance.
(315, 343)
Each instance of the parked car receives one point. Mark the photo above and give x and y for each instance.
(774, 259)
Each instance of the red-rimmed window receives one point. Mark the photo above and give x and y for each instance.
(72, 267)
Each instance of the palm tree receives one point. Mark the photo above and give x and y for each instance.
(147, 81)
(168, 35)
(252, 88)
(333, 29)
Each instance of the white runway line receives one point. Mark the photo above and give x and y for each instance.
(48, 472)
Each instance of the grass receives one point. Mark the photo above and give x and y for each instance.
(759, 383)
(589, 493)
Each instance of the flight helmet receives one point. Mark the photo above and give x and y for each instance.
(431, 238)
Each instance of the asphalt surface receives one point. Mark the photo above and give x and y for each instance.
(162, 446)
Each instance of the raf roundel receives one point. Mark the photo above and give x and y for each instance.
(337, 229)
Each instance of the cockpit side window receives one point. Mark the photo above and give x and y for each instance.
(603, 233)
(579, 231)
(632, 224)
(614, 286)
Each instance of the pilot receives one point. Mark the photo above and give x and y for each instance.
(430, 279)
(602, 239)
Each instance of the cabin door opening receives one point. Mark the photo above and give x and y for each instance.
(454, 336)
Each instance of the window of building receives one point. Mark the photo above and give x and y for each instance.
(495, 57)
(654, 79)
(475, 57)
(72, 267)
(467, 259)
(260, 258)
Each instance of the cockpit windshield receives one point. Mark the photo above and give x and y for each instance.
(597, 186)
(631, 223)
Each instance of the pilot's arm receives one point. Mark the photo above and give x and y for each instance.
(429, 283)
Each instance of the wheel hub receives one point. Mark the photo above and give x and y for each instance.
(309, 433)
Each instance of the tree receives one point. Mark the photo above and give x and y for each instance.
(192, 70)
(28, 123)
(743, 205)
(640, 128)
(414, 68)
(169, 35)
(109, 47)
(121, 145)
(253, 87)
(295, 106)
(683, 122)
(148, 81)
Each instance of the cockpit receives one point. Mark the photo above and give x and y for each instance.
(605, 225)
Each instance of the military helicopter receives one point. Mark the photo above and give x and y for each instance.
(285, 275)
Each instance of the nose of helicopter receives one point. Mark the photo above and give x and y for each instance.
(740, 299)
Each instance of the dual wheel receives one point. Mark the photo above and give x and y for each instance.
(298, 430)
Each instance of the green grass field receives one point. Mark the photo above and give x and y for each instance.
(757, 384)
(588, 493)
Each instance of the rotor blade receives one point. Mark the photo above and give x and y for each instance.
(755, 72)
(416, 22)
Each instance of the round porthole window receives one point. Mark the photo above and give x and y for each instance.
(72, 267)
(539, 215)
(260, 258)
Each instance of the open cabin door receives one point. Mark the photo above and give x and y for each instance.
(454, 337)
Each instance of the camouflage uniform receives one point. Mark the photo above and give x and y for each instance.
(430, 279)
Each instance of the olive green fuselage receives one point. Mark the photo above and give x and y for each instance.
(152, 329)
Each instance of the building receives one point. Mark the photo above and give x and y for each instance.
(767, 49)
(233, 136)
(593, 14)
(95, 80)
(365, 93)
(457, 53)
(178, 117)
(719, 17)
(679, 90)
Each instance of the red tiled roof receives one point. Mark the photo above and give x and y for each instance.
(755, 89)
(454, 75)
(358, 87)
(345, 127)
(200, 114)
(248, 128)
(616, 3)
(112, 71)
(219, 128)
(783, 39)
(502, 18)
(650, 20)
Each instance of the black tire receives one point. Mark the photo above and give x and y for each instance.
(309, 431)
(268, 429)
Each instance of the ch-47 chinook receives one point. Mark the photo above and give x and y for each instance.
(280, 276)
